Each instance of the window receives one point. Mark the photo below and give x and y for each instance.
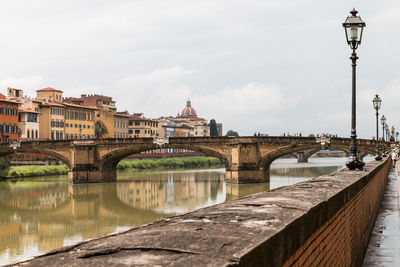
(36, 134)
(4, 110)
(84, 126)
(9, 111)
(88, 126)
(137, 131)
(57, 124)
(28, 134)
(76, 125)
(15, 112)
(52, 135)
(137, 123)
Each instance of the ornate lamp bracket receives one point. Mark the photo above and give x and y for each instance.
(160, 141)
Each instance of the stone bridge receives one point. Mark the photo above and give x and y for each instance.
(246, 159)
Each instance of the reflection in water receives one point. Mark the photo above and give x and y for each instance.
(41, 214)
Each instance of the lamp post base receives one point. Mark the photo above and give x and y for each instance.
(354, 163)
(378, 158)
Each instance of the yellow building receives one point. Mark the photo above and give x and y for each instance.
(104, 114)
(51, 124)
(51, 112)
(79, 121)
(121, 123)
(49, 95)
(139, 126)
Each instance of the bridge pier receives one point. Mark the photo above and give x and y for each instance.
(247, 176)
(82, 175)
(84, 165)
(301, 158)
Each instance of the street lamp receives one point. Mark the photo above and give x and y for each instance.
(377, 105)
(353, 27)
(387, 136)
(383, 122)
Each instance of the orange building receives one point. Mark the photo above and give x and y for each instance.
(8, 120)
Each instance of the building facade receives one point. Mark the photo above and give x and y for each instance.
(121, 125)
(29, 126)
(79, 121)
(52, 121)
(139, 126)
(191, 125)
(8, 120)
(104, 115)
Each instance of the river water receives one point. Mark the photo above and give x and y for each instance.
(41, 214)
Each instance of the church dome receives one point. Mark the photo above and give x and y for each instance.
(188, 111)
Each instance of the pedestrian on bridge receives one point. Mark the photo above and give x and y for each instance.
(394, 158)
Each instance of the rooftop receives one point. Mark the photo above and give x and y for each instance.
(48, 89)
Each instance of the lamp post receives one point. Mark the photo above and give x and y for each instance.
(353, 27)
(387, 137)
(377, 105)
(383, 122)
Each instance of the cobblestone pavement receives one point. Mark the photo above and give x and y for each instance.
(384, 246)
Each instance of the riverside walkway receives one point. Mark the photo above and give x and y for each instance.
(384, 245)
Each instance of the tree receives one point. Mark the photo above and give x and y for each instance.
(231, 133)
(100, 129)
(213, 128)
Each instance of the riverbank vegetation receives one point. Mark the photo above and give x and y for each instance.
(169, 163)
(123, 165)
(33, 170)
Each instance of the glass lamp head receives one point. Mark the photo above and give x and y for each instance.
(377, 102)
(383, 120)
(353, 27)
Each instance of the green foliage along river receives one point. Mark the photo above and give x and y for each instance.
(140, 164)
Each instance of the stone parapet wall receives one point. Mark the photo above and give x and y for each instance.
(343, 239)
(321, 222)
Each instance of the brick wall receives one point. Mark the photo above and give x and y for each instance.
(343, 239)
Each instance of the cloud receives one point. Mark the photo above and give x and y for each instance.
(164, 92)
(28, 83)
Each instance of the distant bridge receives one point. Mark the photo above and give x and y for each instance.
(246, 159)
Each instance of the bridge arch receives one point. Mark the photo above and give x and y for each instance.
(38, 150)
(268, 158)
(110, 160)
(312, 152)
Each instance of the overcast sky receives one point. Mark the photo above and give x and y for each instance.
(271, 66)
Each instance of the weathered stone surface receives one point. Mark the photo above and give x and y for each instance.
(261, 229)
